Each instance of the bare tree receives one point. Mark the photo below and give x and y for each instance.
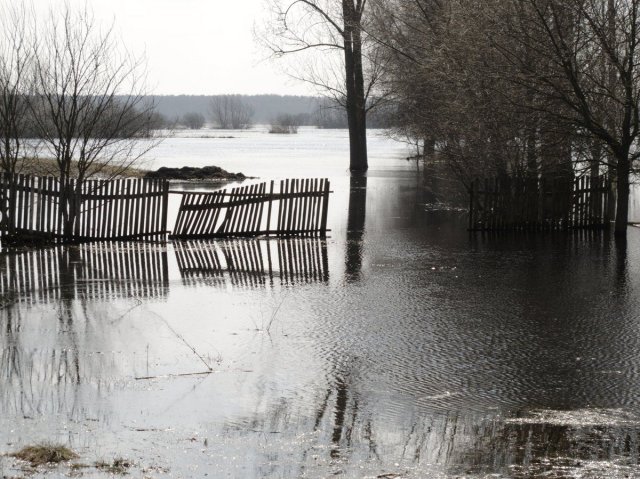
(230, 112)
(285, 124)
(88, 102)
(193, 121)
(441, 76)
(334, 30)
(591, 70)
(16, 52)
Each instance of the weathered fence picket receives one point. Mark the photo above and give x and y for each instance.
(302, 207)
(538, 203)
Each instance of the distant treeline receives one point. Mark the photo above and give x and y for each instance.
(192, 111)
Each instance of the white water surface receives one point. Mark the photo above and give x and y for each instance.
(311, 152)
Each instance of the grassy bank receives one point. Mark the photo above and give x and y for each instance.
(49, 167)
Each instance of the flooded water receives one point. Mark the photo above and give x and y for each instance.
(400, 346)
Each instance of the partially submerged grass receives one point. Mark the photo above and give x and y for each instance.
(118, 466)
(41, 454)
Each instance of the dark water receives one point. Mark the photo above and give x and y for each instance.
(402, 346)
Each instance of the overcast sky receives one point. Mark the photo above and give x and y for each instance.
(195, 46)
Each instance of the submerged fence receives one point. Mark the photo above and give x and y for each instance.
(298, 208)
(45, 208)
(539, 203)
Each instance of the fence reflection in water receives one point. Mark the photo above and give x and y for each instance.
(93, 271)
(255, 262)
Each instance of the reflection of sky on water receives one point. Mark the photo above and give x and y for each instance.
(401, 345)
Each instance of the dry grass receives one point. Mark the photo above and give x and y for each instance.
(44, 454)
(118, 466)
(48, 167)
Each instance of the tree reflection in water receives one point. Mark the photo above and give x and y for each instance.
(356, 218)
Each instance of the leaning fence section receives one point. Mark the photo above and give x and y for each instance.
(539, 203)
(298, 207)
(45, 208)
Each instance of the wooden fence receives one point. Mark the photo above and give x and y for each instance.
(44, 208)
(254, 262)
(94, 271)
(539, 204)
(299, 208)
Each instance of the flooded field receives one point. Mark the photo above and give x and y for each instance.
(400, 346)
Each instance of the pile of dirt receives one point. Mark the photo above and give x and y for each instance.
(193, 173)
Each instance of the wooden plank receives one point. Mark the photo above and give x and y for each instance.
(318, 219)
(313, 204)
(48, 205)
(224, 227)
(212, 221)
(204, 215)
(146, 206)
(325, 207)
(259, 207)
(256, 214)
(32, 203)
(257, 220)
(21, 202)
(241, 210)
(42, 202)
(178, 226)
(104, 226)
(96, 207)
(290, 209)
(130, 207)
(302, 202)
(292, 223)
(159, 202)
(268, 222)
(150, 212)
(299, 204)
(165, 207)
(155, 210)
(233, 211)
(281, 207)
(246, 210)
(116, 214)
(193, 215)
(245, 215)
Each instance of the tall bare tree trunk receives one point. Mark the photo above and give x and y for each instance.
(611, 169)
(356, 103)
